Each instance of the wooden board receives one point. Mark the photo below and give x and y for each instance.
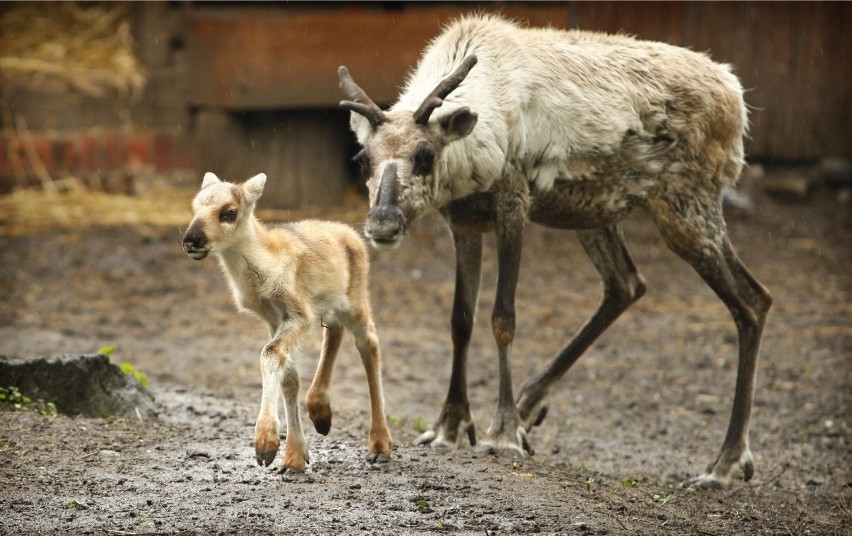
(273, 58)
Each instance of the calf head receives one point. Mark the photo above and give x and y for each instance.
(221, 211)
(401, 152)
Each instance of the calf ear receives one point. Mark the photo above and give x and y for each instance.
(209, 180)
(254, 187)
(458, 124)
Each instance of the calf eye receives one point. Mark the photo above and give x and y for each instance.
(423, 158)
(228, 216)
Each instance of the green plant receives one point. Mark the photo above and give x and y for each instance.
(140, 376)
(634, 482)
(77, 504)
(394, 421)
(420, 425)
(664, 500)
(127, 368)
(20, 402)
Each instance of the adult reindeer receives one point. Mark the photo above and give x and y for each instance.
(500, 125)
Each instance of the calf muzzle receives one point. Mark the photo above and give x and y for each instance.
(195, 243)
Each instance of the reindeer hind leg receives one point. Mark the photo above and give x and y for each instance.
(623, 285)
(693, 227)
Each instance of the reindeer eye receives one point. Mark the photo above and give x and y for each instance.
(423, 159)
(228, 216)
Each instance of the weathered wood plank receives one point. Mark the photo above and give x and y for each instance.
(244, 59)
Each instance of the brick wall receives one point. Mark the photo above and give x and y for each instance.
(111, 159)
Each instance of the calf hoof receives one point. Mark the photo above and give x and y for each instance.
(265, 452)
(380, 449)
(320, 414)
(295, 455)
(294, 462)
(323, 426)
(266, 443)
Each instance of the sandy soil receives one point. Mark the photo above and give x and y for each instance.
(646, 407)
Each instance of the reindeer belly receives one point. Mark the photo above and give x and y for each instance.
(581, 204)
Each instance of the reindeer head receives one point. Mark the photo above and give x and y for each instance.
(401, 151)
(221, 211)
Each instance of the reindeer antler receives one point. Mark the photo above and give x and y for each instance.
(447, 85)
(360, 103)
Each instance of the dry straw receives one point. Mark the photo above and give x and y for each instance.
(76, 208)
(89, 46)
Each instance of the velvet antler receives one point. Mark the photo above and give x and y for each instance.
(447, 85)
(360, 103)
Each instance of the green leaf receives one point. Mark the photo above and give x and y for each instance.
(107, 350)
(140, 376)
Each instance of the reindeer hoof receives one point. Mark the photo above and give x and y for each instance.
(721, 472)
(425, 438)
(515, 447)
(705, 481)
(513, 452)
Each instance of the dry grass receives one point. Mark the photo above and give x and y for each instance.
(88, 46)
(27, 212)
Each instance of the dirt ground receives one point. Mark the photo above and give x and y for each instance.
(644, 409)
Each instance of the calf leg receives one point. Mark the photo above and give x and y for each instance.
(695, 230)
(266, 440)
(623, 285)
(455, 420)
(380, 443)
(280, 376)
(319, 407)
(295, 447)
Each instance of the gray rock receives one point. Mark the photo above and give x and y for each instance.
(87, 385)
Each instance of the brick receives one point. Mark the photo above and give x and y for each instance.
(138, 153)
(44, 149)
(89, 160)
(114, 150)
(68, 151)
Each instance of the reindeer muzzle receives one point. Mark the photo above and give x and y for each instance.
(385, 222)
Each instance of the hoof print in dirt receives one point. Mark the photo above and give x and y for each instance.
(87, 385)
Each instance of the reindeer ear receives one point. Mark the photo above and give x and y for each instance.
(209, 180)
(254, 187)
(360, 127)
(458, 124)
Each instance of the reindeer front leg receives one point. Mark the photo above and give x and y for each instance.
(506, 435)
(455, 420)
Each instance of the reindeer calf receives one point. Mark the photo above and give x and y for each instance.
(291, 276)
